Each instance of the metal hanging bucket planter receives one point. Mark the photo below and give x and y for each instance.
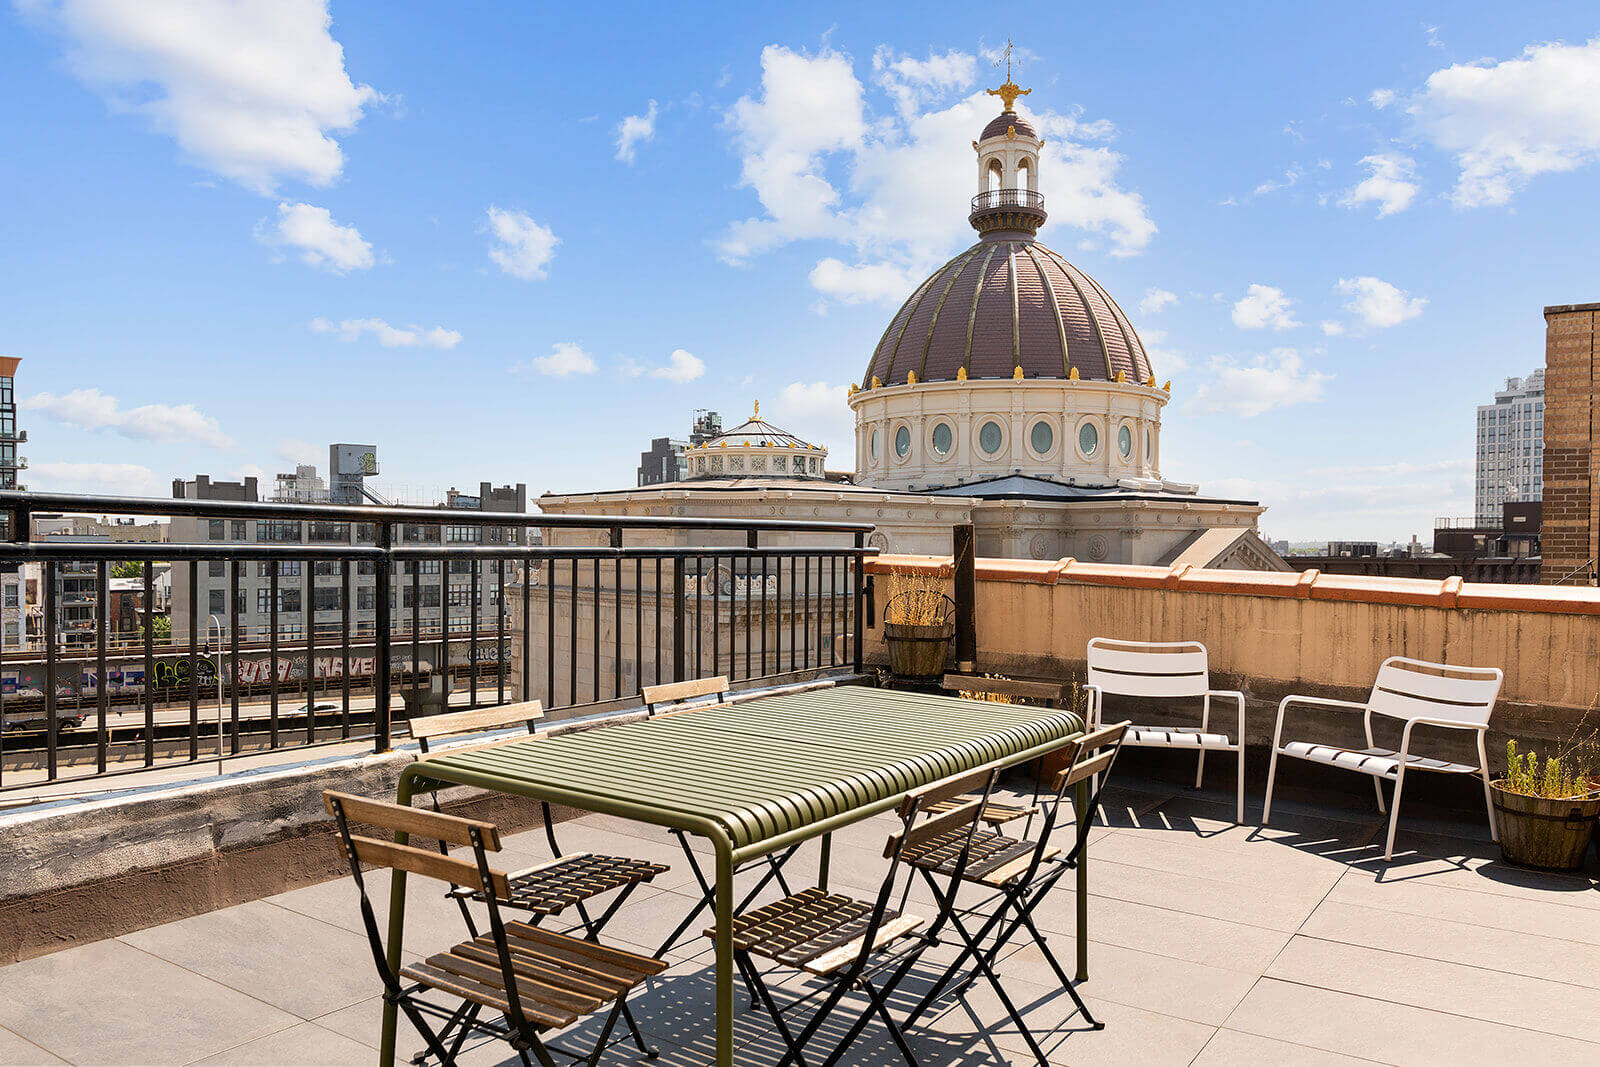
(919, 650)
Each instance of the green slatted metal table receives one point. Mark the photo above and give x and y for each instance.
(753, 778)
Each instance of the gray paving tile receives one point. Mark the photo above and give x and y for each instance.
(1234, 1048)
(18, 1052)
(1168, 931)
(1511, 952)
(1201, 896)
(1475, 992)
(1179, 988)
(1387, 1032)
(1552, 915)
(111, 1003)
(290, 960)
(1287, 870)
(306, 1043)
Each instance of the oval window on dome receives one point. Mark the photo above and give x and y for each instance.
(1088, 439)
(1125, 442)
(874, 444)
(990, 437)
(1149, 446)
(1042, 437)
(943, 439)
(902, 442)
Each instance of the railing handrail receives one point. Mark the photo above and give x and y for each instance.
(1007, 198)
(170, 551)
(31, 502)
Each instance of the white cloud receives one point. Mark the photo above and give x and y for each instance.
(293, 450)
(1163, 360)
(566, 358)
(681, 367)
(1331, 328)
(1390, 183)
(1511, 121)
(322, 242)
(1263, 307)
(885, 283)
(521, 247)
(1290, 177)
(1250, 387)
(1157, 300)
(388, 336)
(819, 413)
(891, 187)
(633, 130)
(90, 409)
(251, 90)
(1377, 303)
(1381, 98)
(114, 479)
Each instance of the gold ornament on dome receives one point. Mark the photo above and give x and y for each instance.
(877, 382)
(1168, 386)
(1122, 377)
(1008, 92)
(961, 374)
(854, 389)
(757, 414)
(911, 377)
(1016, 373)
(1073, 374)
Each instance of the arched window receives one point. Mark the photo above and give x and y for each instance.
(995, 175)
(1026, 178)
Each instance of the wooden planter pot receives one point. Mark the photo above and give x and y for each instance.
(1548, 834)
(918, 651)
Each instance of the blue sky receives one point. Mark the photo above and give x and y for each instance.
(514, 242)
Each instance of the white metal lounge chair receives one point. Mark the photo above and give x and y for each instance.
(1416, 692)
(1164, 670)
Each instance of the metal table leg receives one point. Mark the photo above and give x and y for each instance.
(1080, 803)
(397, 929)
(725, 961)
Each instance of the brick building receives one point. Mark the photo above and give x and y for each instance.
(1571, 444)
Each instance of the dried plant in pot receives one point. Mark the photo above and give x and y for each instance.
(1546, 810)
(919, 626)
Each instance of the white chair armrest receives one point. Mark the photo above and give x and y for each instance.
(1322, 702)
(1093, 705)
(1234, 695)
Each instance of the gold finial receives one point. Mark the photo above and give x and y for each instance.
(1151, 381)
(1016, 373)
(854, 388)
(757, 413)
(877, 382)
(1073, 374)
(1008, 92)
(1168, 386)
(1122, 377)
(961, 374)
(911, 377)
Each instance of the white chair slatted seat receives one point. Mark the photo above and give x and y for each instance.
(1417, 693)
(1164, 670)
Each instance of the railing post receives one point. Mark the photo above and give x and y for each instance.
(677, 619)
(858, 601)
(966, 600)
(380, 642)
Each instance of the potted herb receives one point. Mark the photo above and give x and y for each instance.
(1546, 809)
(919, 626)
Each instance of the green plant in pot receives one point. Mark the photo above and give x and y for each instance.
(1546, 808)
(919, 624)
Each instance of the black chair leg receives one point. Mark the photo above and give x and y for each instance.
(605, 1033)
(638, 1037)
(435, 1046)
(752, 978)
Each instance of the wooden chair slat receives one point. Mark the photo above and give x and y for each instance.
(542, 986)
(685, 690)
(467, 989)
(591, 950)
(1011, 687)
(833, 959)
(451, 829)
(428, 864)
(558, 986)
(475, 721)
(1084, 769)
(942, 823)
(944, 789)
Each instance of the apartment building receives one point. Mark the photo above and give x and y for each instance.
(435, 592)
(1510, 458)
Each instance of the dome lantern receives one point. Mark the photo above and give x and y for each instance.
(1008, 201)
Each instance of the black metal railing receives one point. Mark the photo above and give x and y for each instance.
(269, 606)
(1001, 198)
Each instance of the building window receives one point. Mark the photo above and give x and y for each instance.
(1124, 441)
(11, 596)
(425, 566)
(1042, 438)
(1088, 439)
(902, 442)
(816, 465)
(1149, 446)
(214, 568)
(328, 598)
(758, 463)
(736, 463)
(218, 602)
(460, 596)
(780, 463)
(716, 463)
(990, 437)
(943, 439)
(328, 531)
(874, 446)
(462, 566)
(421, 533)
(366, 598)
(241, 530)
(217, 527)
(461, 534)
(274, 530)
(430, 596)
(325, 568)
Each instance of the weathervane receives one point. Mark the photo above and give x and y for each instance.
(1008, 92)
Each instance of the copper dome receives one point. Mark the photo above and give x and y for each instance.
(1007, 303)
(1004, 121)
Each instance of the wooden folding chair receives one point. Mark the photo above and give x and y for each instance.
(535, 980)
(1037, 694)
(673, 698)
(845, 943)
(565, 880)
(1021, 874)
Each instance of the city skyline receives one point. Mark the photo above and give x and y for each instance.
(478, 258)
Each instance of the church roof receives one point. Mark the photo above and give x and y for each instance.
(1025, 487)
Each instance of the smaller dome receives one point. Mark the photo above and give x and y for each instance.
(759, 433)
(755, 448)
(1005, 120)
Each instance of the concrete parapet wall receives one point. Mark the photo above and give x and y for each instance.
(1270, 634)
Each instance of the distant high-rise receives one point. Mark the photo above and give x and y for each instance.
(10, 436)
(1510, 448)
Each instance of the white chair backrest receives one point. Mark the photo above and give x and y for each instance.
(1148, 668)
(1415, 688)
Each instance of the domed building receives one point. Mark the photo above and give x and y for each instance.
(756, 448)
(1013, 377)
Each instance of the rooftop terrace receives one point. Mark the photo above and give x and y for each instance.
(1212, 944)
